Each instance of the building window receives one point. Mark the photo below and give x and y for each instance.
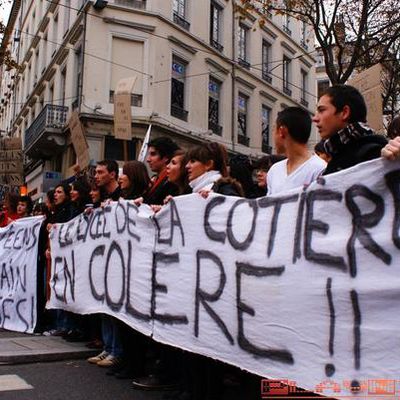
(179, 10)
(114, 149)
(265, 124)
(141, 4)
(55, 34)
(242, 119)
(44, 53)
(266, 60)
(303, 40)
(136, 99)
(214, 93)
(67, 13)
(63, 85)
(304, 88)
(29, 83)
(78, 76)
(51, 93)
(286, 76)
(178, 89)
(36, 70)
(286, 20)
(215, 26)
(242, 46)
(322, 87)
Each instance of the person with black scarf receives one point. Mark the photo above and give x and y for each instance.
(341, 121)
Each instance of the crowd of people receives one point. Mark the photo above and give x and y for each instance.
(346, 141)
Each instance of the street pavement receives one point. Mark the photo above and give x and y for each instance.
(35, 367)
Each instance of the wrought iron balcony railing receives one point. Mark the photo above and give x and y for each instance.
(179, 112)
(51, 118)
(215, 128)
(304, 102)
(244, 140)
(244, 63)
(217, 45)
(266, 76)
(287, 91)
(181, 21)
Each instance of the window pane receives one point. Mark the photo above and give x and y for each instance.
(265, 117)
(265, 56)
(242, 42)
(242, 115)
(179, 7)
(213, 110)
(214, 89)
(178, 69)
(177, 93)
(215, 23)
(114, 149)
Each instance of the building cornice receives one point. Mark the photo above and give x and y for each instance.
(215, 64)
(305, 62)
(129, 24)
(245, 83)
(289, 48)
(184, 46)
(268, 96)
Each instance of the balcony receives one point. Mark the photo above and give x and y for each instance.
(215, 128)
(217, 46)
(45, 138)
(266, 76)
(244, 140)
(243, 63)
(287, 30)
(287, 91)
(179, 112)
(181, 21)
(304, 102)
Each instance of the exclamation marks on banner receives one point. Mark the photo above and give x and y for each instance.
(356, 329)
(330, 368)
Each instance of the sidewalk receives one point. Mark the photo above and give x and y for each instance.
(16, 348)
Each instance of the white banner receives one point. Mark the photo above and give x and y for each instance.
(302, 286)
(18, 265)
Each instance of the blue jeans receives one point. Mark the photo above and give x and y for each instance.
(111, 333)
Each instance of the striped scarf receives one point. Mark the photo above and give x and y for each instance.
(351, 132)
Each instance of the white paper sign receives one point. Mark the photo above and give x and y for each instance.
(304, 286)
(18, 265)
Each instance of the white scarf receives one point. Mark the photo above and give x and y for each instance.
(205, 181)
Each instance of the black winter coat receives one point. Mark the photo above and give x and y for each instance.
(355, 152)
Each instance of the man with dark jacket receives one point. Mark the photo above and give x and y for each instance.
(106, 178)
(160, 152)
(340, 118)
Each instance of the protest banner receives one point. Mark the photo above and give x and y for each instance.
(18, 265)
(122, 108)
(369, 83)
(78, 140)
(11, 162)
(303, 286)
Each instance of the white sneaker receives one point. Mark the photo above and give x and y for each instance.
(100, 357)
